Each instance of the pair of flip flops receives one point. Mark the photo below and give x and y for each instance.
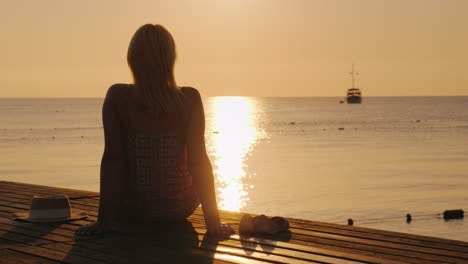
(262, 225)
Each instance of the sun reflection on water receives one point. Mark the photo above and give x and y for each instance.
(234, 134)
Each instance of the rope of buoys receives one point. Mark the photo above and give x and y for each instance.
(447, 215)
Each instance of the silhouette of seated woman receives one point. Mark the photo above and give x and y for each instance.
(155, 168)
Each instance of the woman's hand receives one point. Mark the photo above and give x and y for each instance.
(221, 231)
(91, 229)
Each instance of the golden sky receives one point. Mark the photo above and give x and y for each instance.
(60, 48)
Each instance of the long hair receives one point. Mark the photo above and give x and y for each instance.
(151, 57)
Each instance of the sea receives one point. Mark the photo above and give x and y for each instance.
(305, 157)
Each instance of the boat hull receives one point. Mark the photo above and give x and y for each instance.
(353, 100)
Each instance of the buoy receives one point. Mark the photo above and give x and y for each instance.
(350, 222)
(408, 218)
(292, 123)
(453, 214)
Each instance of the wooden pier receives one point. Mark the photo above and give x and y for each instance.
(308, 242)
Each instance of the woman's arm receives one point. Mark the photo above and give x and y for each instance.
(199, 163)
(201, 170)
(112, 166)
(113, 159)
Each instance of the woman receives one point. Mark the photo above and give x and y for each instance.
(155, 166)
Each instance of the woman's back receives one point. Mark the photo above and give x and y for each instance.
(157, 183)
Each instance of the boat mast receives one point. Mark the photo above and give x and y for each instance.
(352, 73)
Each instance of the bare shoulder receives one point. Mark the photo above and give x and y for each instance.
(116, 93)
(190, 91)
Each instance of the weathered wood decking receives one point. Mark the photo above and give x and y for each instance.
(309, 241)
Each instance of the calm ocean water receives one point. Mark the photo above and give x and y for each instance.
(308, 158)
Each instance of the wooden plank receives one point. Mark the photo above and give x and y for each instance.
(12, 238)
(55, 255)
(309, 241)
(386, 244)
(229, 248)
(7, 198)
(281, 254)
(380, 238)
(9, 256)
(288, 249)
(4, 243)
(390, 253)
(396, 246)
(270, 242)
(83, 207)
(380, 252)
(306, 224)
(367, 252)
(414, 241)
(30, 236)
(26, 196)
(47, 189)
(350, 246)
(48, 231)
(85, 253)
(51, 245)
(237, 243)
(263, 252)
(309, 224)
(235, 247)
(147, 247)
(380, 247)
(102, 247)
(136, 250)
(428, 244)
(16, 207)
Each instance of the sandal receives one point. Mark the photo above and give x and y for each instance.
(263, 225)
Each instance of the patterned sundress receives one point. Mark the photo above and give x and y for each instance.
(160, 186)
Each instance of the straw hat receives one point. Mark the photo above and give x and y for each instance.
(50, 208)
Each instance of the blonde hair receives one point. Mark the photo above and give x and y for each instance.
(151, 57)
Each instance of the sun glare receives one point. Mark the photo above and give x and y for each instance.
(234, 136)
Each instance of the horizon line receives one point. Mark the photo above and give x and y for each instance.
(281, 96)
